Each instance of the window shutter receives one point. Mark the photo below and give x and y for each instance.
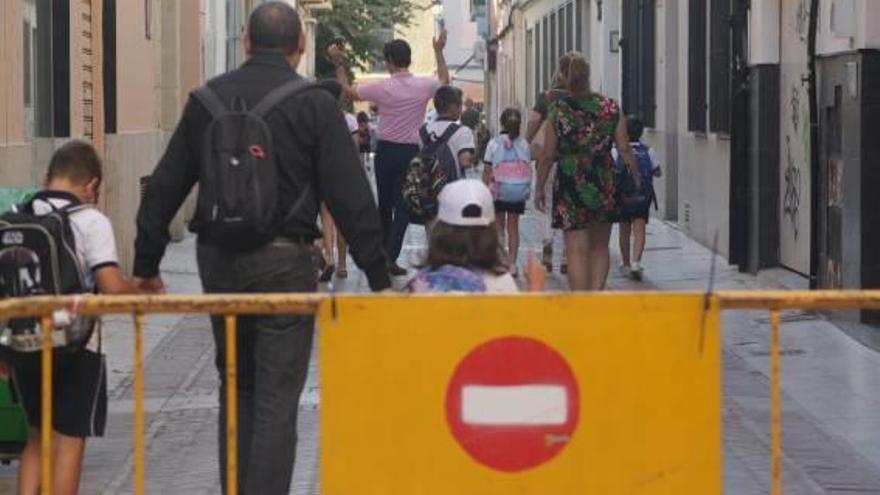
(697, 66)
(719, 74)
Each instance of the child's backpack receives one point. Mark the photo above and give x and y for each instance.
(447, 278)
(38, 257)
(238, 180)
(427, 174)
(511, 172)
(632, 200)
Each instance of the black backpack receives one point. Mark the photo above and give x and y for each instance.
(427, 174)
(238, 180)
(38, 257)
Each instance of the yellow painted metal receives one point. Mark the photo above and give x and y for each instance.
(46, 408)
(222, 304)
(650, 401)
(139, 462)
(231, 406)
(243, 304)
(775, 406)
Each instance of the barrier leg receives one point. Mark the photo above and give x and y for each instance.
(775, 406)
(231, 407)
(139, 464)
(46, 409)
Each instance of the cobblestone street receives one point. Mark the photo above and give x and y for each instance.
(831, 414)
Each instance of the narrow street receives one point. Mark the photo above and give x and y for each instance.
(831, 415)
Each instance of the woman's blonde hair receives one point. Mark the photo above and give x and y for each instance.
(575, 73)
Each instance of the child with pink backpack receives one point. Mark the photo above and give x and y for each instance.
(508, 172)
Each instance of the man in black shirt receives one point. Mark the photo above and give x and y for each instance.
(316, 163)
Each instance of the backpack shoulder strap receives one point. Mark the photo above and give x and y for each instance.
(448, 133)
(424, 135)
(279, 94)
(209, 99)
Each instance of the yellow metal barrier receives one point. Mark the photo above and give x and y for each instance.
(232, 305)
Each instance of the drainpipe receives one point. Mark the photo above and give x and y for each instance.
(814, 146)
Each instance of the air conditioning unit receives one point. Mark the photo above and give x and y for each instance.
(480, 52)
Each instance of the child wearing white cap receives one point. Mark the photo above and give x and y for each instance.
(464, 253)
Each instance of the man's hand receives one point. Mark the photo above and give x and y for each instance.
(440, 41)
(153, 285)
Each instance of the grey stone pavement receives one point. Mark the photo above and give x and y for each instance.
(831, 411)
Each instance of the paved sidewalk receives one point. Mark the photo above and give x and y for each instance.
(831, 414)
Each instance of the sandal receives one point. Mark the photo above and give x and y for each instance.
(342, 273)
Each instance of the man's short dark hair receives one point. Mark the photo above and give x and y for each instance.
(398, 53)
(76, 161)
(635, 128)
(274, 27)
(446, 97)
(363, 118)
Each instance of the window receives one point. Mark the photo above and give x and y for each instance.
(234, 30)
(719, 73)
(539, 69)
(110, 66)
(547, 59)
(579, 26)
(570, 31)
(384, 34)
(562, 32)
(554, 46)
(639, 60)
(530, 64)
(697, 66)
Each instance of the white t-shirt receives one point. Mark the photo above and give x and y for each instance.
(461, 141)
(92, 233)
(352, 122)
(520, 143)
(500, 284)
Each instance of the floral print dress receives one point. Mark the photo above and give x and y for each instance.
(584, 190)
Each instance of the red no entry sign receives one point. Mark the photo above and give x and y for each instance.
(512, 403)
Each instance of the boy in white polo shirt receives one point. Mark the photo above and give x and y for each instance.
(79, 392)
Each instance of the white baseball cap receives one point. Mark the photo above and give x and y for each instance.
(466, 203)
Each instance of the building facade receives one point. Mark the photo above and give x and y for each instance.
(116, 73)
(760, 110)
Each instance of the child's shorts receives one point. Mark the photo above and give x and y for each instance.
(515, 208)
(79, 391)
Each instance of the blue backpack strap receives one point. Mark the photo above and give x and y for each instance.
(209, 99)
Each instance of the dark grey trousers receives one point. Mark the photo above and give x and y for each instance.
(273, 357)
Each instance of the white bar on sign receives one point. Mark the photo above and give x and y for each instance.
(513, 405)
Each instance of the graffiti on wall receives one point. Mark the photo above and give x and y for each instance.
(794, 146)
(791, 203)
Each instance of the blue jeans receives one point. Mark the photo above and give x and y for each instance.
(273, 358)
(391, 162)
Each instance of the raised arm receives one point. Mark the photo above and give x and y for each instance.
(442, 68)
(337, 56)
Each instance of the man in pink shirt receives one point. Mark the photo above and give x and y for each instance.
(402, 100)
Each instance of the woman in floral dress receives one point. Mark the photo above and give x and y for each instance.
(583, 128)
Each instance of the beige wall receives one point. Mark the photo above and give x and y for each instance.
(135, 70)
(12, 129)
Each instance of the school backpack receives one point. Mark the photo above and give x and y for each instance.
(38, 257)
(447, 278)
(511, 172)
(431, 169)
(633, 201)
(238, 179)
